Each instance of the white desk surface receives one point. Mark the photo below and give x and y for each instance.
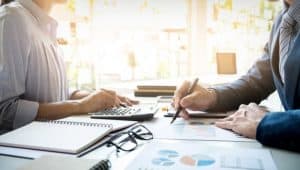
(284, 160)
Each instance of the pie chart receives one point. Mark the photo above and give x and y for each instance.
(162, 162)
(197, 160)
(165, 157)
(168, 153)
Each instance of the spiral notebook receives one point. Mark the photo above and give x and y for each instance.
(59, 136)
(50, 162)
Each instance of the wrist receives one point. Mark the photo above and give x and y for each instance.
(212, 98)
(77, 107)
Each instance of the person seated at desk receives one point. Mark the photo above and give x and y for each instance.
(33, 82)
(278, 69)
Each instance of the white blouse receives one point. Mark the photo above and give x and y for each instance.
(31, 68)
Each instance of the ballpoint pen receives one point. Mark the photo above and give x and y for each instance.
(190, 90)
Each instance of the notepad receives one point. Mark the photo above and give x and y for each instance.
(59, 136)
(50, 162)
(116, 124)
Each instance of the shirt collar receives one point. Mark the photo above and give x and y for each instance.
(47, 23)
(285, 6)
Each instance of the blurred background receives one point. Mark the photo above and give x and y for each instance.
(111, 41)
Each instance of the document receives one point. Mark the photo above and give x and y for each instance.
(191, 130)
(186, 155)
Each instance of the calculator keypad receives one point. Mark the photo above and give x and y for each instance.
(119, 111)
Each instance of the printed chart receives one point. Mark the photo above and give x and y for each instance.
(190, 156)
(197, 160)
(181, 129)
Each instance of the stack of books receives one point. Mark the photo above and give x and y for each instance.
(154, 90)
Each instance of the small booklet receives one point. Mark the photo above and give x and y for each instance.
(58, 136)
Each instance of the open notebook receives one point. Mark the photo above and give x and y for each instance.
(58, 136)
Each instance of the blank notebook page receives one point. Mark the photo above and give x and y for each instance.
(60, 136)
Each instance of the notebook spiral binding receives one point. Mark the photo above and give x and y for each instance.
(102, 165)
(79, 123)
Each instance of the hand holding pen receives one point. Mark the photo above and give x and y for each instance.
(190, 90)
(199, 98)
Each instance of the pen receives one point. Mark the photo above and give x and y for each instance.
(190, 90)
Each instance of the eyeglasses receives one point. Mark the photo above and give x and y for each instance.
(126, 141)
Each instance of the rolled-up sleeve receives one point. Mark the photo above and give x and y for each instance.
(14, 47)
(15, 113)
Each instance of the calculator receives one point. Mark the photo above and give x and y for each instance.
(141, 112)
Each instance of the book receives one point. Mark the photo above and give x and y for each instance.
(154, 90)
(50, 162)
(58, 136)
(157, 87)
(152, 93)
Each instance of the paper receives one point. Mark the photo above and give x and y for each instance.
(189, 156)
(27, 153)
(181, 129)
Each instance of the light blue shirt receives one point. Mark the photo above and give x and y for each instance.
(31, 68)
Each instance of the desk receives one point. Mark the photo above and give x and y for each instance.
(284, 160)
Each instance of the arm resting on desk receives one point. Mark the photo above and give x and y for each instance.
(280, 129)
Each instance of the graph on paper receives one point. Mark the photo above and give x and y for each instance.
(191, 156)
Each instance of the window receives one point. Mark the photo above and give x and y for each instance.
(122, 40)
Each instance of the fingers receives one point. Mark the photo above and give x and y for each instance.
(180, 92)
(243, 106)
(111, 98)
(254, 107)
(184, 114)
(187, 101)
(111, 92)
(234, 115)
(225, 124)
(127, 101)
(120, 99)
(231, 124)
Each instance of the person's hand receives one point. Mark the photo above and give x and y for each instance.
(251, 111)
(127, 101)
(200, 99)
(99, 100)
(244, 121)
(123, 100)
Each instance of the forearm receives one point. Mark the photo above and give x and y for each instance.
(50, 111)
(255, 86)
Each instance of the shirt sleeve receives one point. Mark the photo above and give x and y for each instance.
(281, 130)
(15, 113)
(254, 86)
(14, 55)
